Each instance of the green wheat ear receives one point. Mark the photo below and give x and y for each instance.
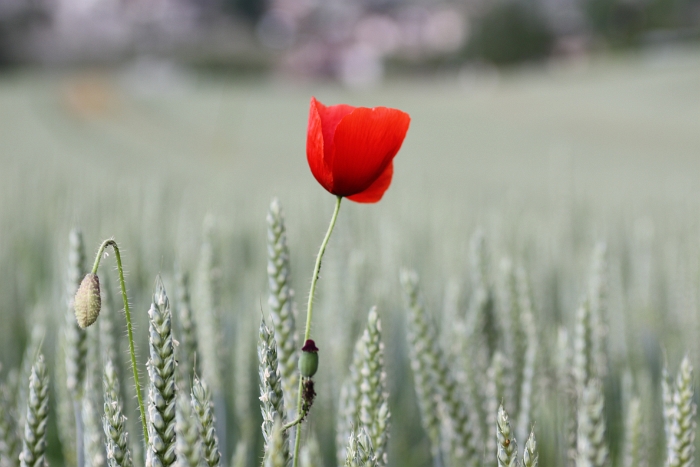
(75, 343)
(162, 388)
(374, 398)
(683, 423)
(271, 393)
(34, 444)
(507, 448)
(76, 338)
(281, 301)
(423, 363)
(276, 453)
(187, 330)
(188, 444)
(635, 443)
(9, 440)
(113, 423)
(204, 409)
(527, 321)
(359, 451)
(310, 455)
(433, 377)
(530, 455)
(592, 450)
(93, 442)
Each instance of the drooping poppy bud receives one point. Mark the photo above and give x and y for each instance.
(350, 150)
(87, 301)
(308, 361)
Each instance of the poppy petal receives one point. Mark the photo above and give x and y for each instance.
(376, 190)
(330, 118)
(315, 148)
(365, 142)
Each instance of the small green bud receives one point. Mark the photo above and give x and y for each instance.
(87, 301)
(308, 361)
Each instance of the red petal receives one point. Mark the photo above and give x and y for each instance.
(376, 190)
(319, 139)
(365, 143)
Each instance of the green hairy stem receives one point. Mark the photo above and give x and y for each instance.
(309, 314)
(129, 328)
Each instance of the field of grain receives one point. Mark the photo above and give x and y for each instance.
(547, 188)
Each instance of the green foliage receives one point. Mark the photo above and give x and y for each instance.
(511, 32)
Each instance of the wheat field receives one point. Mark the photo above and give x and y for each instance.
(545, 220)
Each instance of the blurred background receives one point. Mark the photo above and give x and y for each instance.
(356, 42)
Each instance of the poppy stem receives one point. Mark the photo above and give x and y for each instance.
(129, 330)
(309, 312)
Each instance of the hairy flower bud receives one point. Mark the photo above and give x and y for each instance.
(87, 301)
(308, 361)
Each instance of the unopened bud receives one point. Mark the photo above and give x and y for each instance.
(87, 301)
(308, 361)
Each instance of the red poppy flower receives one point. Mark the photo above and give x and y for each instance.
(351, 149)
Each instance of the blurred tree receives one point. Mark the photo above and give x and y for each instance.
(252, 10)
(626, 22)
(511, 32)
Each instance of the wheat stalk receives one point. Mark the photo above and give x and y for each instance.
(681, 448)
(271, 393)
(276, 452)
(530, 455)
(34, 443)
(9, 439)
(281, 302)
(507, 450)
(514, 340)
(423, 363)
(209, 328)
(188, 349)
(162, 388)
(527, 321)
(592, 450)
(359, 451)
(310, 455)
(188, 444)
(76, 338)
(374, 399)
(204, 409)
(635, 444)
(114, 421)
(92, 442)
(432, 372)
